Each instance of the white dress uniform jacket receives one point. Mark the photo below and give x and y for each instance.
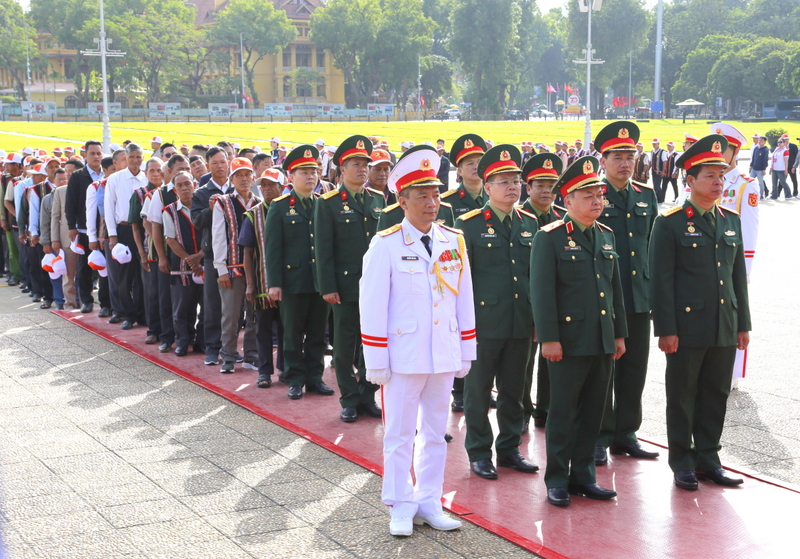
(427, 322)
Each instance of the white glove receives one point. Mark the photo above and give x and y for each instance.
(379, 376)
(465, 367)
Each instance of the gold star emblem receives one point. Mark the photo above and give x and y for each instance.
(307, 153)
(623, 133)
(547, 164)
(360, 144)
(716, 148)
(425, 165)
(468, 144)
(504, 156)
(588, 168)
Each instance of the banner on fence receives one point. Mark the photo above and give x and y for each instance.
(161, 110)
(38, 109)
(96, 109)
(223, 109)
(278, 109)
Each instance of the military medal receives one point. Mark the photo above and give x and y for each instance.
(490, 231)
(292, 211)
(571, 243)
(292, 202)
(690, 229)
(346, 208)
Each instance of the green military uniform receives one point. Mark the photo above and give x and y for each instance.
(343, 229)
(498, 247)
(289, 251)
(699, 293)
(630, 213)
(577, 300)
(542, 166)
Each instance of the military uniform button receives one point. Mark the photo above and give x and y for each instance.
(312, 248)
(721, 282)
(734, 244)
(436, 304)
(345, 272)
(722, 301)
(513, 262)
(311, 223)
(629, 215)
(489, 244)
(603, 311)
(313, 260)
(633, 253)
(516, 295)
(367, 233)
(694, 245)
(573, 257)
(411, 270)
(716, 246)
(481, 301)
(688, 309)
(719, 264)
(568, 319)
(432, 271)
(515, 278)
(289, 267)
(611, 257)
(598, 276)
(630, 234)
(436, 322)
(602, 294)
(633, 273)
(399, 331)
(644, 213)
(347, 221)
(365, 219)
(512, 244)
(312, 234)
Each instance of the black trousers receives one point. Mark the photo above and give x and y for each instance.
(84, 273)
(111, 280)
(657, 187)
(185, 301)
(793, 177)
(212, 309)
(665, 182)
(128, 279)
(265, 320)
(39, 280)
(150, 284)
(167, 335)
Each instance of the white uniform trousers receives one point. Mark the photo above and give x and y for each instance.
(421, 403)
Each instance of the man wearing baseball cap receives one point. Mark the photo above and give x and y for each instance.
(580, 322)
(701, 313)
(226, 222)
(155, 145)
(345, 221)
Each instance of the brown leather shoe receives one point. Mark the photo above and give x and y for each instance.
(151, 339)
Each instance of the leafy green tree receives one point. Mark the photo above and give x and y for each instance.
(14, 36)
(264, 31)
(437, 77)
(693, 81)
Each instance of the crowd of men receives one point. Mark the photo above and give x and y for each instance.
(370, 256)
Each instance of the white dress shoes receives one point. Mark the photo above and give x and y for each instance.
(401, 526)
(438, 522)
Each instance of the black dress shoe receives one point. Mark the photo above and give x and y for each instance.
(348, 415)
(558, 496)
(86, 308)
(519, 463)
(458, 404)
(295, 392)
(181, 351)
(104, 312)
(370, 409)
(600, 456)
(592, 491)
(540, 421)
(634, 450)
(483, 468)
(686, 479)
(320, 388)
(151, 339)
(37, 298)
(127, 325)
(115, 319)
(719, 477)
(164, 348)
(26, 289)
(12, 282)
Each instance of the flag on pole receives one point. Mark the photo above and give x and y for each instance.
(569, 88)
(551, 89)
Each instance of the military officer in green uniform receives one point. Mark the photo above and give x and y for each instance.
(579, 313)
(498, 239)
(630, 208)
(540, 174)
(292, 275)
(345, 221)
(701, 313)
(393, 214)
(465, 153)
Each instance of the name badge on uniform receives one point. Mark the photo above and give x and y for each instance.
(488, 236)
(410, 257)
(576, 247)
(608, 204)
(348, 211)
(687, 234)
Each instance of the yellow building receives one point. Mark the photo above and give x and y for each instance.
(273, 74)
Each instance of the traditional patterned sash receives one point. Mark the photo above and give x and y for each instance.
(184, 271)
(235, 267)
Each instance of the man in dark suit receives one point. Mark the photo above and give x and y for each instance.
(701, 313)
(792, 161)
(76, 219)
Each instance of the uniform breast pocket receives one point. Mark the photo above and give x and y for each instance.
(731, 246)
(526, 238)
(411, 277)
(610, 212)
(643, 218)
(292, 220)
(402, 341)
(609, 256)
(488, 252)
(572, 266)
(346, 218)
(693, 250)
(689, 317)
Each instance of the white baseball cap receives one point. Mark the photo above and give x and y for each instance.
(76, 247)
(47, 262)
(236, 145)
(27, 151)
(97, 260)
(114, 147)
(156, 140)
(121, 253)
(320, 143)
(199, 280)
(2, 154)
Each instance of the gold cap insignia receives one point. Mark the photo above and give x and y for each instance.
(360, 144)
(716, 148)
(623, 133)
(425, 165)
(588, 168)
(468, 143)
(719, 130)
(504, 156)
(547, 164)
(307, 153)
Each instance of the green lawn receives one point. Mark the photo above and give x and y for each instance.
(46, 135)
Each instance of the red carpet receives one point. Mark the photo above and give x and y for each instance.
(650, 518)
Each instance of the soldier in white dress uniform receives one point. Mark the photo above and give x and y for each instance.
(418, 333)
(740, 193)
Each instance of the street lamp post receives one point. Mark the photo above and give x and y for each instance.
(659, 30)
(583, 5)
(103, 52)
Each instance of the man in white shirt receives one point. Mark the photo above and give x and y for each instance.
(127, 278)
(780, 170)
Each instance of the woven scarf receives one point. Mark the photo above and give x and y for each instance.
(235, 267)
(184, 272)
(257, 217)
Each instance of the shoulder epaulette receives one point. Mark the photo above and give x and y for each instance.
(449, 193)
(446, 205)
(387, 209)
(330, 194)
(470, 214)
(642, 184)
(603, 226)
(451, 229)
(390, 230)
(279, 198)
(559, 208)
(527, 213)
(672, 210)
(376, 192)
(748, 179)
(728, 210)
(552, 225)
